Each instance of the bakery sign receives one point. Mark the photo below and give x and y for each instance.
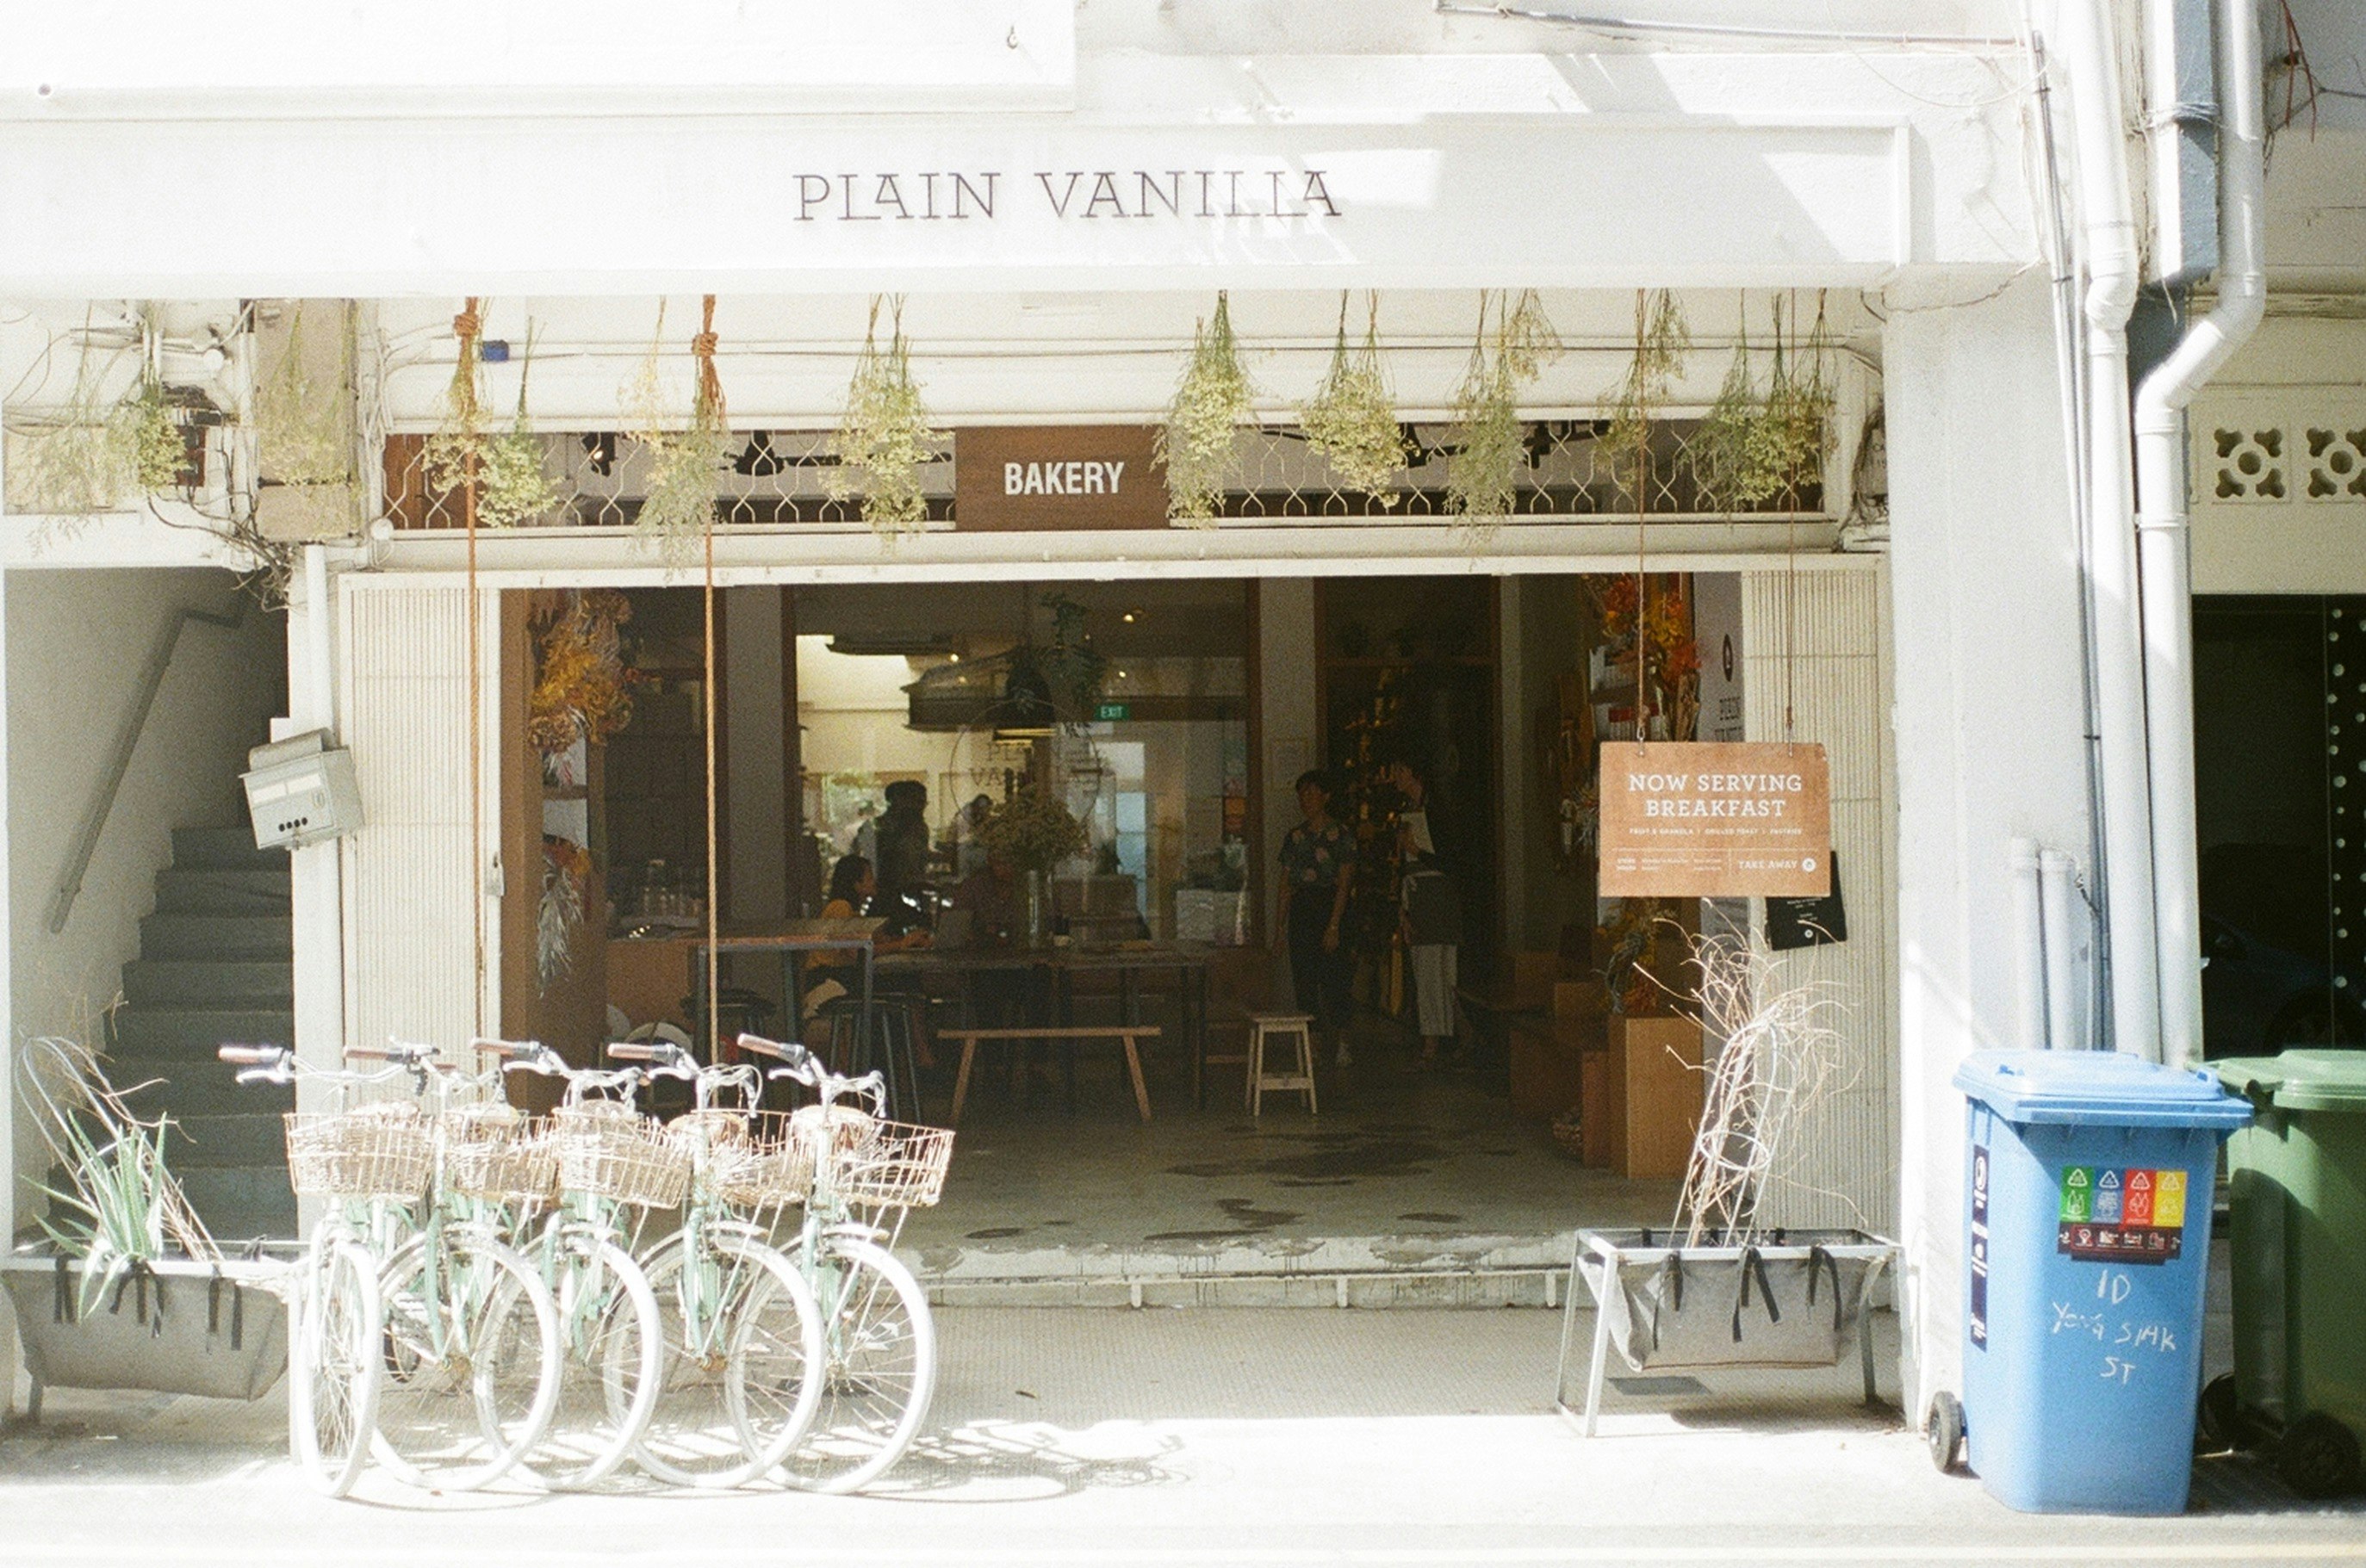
(1716, 821)
(1017, 477)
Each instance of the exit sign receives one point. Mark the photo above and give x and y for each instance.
(1107, 712)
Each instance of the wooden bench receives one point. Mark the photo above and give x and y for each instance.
(1126, 1035)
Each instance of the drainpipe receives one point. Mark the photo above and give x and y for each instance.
(2108, 224)
(2028, 949)
(2163, 536)
(2057, 900)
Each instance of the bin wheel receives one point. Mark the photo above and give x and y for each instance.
(2318, 1457)
(1943, 1429)
(2218, 1424)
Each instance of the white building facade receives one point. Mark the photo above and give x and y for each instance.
(1059, 190)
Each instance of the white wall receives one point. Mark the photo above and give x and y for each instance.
(1988, 726)
(2294, 398)
(76, 645)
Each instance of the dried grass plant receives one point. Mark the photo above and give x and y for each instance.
(92, 455)
(1351, 421)
(677, 494)
(1662, 341)
(883, 439)
(303, 428)
(504, 467)
(1215, 399)
(1489, 440)
(1782, 1056)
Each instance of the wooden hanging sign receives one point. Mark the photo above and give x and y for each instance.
(1027, 477)
(1716, 820)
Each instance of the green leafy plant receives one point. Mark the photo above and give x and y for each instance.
(1211, 402)
(1489, 441)
(1351, 421)
(678, 496)
(1032, 830)
(1661, 339)
(883, 439)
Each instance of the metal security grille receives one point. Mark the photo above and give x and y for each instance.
(784, 477)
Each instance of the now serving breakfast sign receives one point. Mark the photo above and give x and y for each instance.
(1716, 821)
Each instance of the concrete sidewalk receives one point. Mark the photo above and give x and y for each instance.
(1177, 1436)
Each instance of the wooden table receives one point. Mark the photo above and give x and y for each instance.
(788, 938)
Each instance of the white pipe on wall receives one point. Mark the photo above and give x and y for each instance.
(2162, 526)
(2107, 221)
(2030, 978)
(2058, 904)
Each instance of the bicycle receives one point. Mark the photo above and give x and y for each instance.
(609, 1331)
(743, 1331)
(421, 1338)
(879, 1342)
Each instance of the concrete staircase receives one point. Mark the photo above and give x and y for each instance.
(216, 965)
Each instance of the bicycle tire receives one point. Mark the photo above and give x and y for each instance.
(715, 1425)
(470, 1368)
(611, 1343)
(880, 1367)
(333, 1369)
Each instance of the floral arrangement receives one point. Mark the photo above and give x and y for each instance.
(584, 692)
(502, 470)
(1212, 400)
(566, 878)
(1351, 422)
(1482, 478)
(1032, 830)
(885, 439)
(678, 498)
(1661, 339)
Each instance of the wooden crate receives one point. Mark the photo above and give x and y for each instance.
(1653, 1085)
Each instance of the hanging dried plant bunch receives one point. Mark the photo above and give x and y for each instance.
(1351, 421)
(465, 453)
(1211, 402)
(455, 455)
(1793, 435)
(1661, 339)
(95, 455)
(678, 496)
(565, 875)
(1489, 440)
(883, 440)
(583, 689)
(1721, 447)
(302, 436)
(150, 441)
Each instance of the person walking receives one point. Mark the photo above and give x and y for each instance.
(1318, 865)
(1430, 918)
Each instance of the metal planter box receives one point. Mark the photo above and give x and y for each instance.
(216, 1329)
(1794, 1301)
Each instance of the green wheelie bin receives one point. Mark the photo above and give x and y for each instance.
(2297, 1235)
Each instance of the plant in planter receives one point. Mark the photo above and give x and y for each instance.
(885, 439)
(1034, 831)
(678, 497)
(1351, 421)
(1211, 402)
(1490, 447)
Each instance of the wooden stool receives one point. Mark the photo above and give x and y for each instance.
(1291, 1031)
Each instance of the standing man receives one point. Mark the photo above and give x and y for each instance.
(1318, 863)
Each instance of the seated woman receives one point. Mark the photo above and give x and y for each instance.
(852, 885)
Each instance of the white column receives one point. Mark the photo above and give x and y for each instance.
(316, 883)
(1989, 729)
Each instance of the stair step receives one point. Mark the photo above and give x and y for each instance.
(192, 1087)
(254, 1137)
(182, 1033)
(229, 848)
(198, 982)
(207, 891)
(178, 935)
(238, 1202)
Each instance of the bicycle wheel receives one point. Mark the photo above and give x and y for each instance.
(469, 1356)
(741, 1341)
(612, 1340)
(333, 1366)
(879, 1346)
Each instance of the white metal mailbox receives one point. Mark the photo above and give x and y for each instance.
(302, 790)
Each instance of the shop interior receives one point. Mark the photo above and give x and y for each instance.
(907, 724)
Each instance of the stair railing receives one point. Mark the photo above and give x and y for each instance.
(127, 741)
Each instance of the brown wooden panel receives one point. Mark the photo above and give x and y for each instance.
(1716, 820)
(1032, 477)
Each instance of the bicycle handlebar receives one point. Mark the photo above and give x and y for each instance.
(510, 1050)
(803, 1066)
(252, 1055)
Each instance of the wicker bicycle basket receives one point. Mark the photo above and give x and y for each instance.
(381, 1151)
(770, 1167)
(898, 1166)
(498, 1159)
(622, 1157)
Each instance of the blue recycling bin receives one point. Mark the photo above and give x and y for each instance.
(2089, 1198)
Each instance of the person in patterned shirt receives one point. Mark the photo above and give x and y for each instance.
(1318, 863)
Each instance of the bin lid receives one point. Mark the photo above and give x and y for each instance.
(2103, 1087)
(2300, 1081)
